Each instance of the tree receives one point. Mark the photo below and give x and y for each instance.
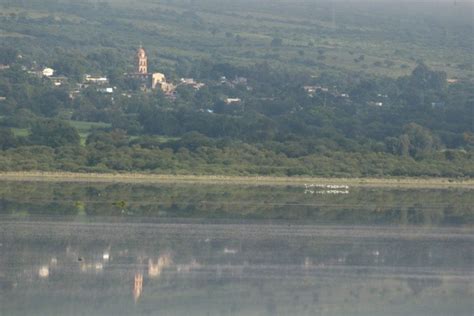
(116, 138)
(51, 102)
(424, 78)
(192, 141)
(418, 140)
(72, 66)
(8, 55)
(7, 138)
(54, 133)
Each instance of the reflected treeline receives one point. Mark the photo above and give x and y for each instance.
(359, 206)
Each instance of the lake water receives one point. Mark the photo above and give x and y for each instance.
(116, 249)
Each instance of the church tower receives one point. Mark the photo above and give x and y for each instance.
(142, 61)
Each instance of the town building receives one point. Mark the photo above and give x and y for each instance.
(58, 81)
(96, 80)
(190, 82)
(158, 81)
(47, 72)
(106, 90)
(375, 103)
(150, 81)
(229, 101)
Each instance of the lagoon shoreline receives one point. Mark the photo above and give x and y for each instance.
(139, 178)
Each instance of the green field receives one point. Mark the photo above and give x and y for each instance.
(86, 127)
(22, 132)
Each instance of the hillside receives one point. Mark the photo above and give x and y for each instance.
(334, 88)
(391, 36)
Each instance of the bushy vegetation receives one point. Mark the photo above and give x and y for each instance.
(357, 122)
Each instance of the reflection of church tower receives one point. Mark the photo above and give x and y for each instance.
(138, 286)
(142, 61)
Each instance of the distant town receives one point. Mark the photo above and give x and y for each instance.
(152, 81)
(147, 81)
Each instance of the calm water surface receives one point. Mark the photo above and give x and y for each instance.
(86, 249)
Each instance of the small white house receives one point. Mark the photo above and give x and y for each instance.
(312, 90)
(192, 83)
(58, 81)
(188, 81)
(48, 72)
(240, 80)
(232, 101)
(106, 90)
(96, 79)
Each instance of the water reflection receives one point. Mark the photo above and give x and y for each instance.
(314, 203)
(116, 249)
(43, 272)
(155, 268)
(137, 286)
(185, 268)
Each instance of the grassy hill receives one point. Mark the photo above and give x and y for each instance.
(384, 38)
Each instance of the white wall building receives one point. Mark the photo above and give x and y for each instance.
(48, 72)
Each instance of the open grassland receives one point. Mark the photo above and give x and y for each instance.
(87, 126)
(23, 132)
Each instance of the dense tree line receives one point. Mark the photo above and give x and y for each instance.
(422, 120)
